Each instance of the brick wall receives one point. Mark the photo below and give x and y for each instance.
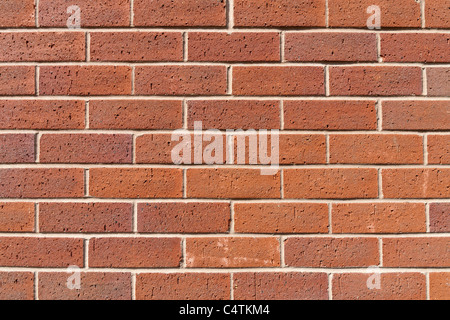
(86, 175)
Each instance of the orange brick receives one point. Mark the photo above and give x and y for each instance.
(440, 286)
(437, 14)
(280, 218)
(17, 13)
(360, 218)
(236, 252)
(331, 252)
(16, 217)
(438, 149)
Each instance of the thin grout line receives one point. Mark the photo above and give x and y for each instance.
(133, 80)
(36, 285)
(36, 13)
(226, 97)
(185, 114)
(380, 184)
(330, 286)
(282, 252)
(230, 15)
(282, 47)
(133, 148)
(229, 80)
(327, 14)
(281, 183)
(135, 217)
(422, 13)
(37, 72)
(379, 57)
(327, 142)
(185, 47)
(231, 286)
(380, 250)
(427, 281)
(184, 254)
(427, 216)
(86, 115)
(327, 81)
(37, 147)
(379, 110)
(424, 82)
(86, 254)
(36, 218)
(281, 114)
(330, 218)
(86, 182)
(133, 286)
(88, 47)
(425, 149)
(132, 13)
(232, 218)
(184, 183)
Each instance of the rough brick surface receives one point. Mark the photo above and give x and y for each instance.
(323, 152)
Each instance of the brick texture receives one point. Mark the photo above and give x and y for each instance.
(98, 101)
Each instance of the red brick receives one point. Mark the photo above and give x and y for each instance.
(155, 148)
(281, 218)
(330, 46)
(41, 114)
(415, 47)
(437, 14)
(393, 286)
(136, 46)
(192, 217)
(181, 80)
(42, 46)
(416, 183)
(135, 114)
(440, 217)
(302, 149)
(278, 80)
(376, 149)
(330, 115)
(330, 183)
(193, 13)
(41, 183)
(416, 252)
(183, 286)
(439, 149)
(16, 217)
(134, 252)
(17, 148)
(438, 82)
(280, 286)
(331, 252)
(440, 286)
(235, 47)
(375, 81)
(41, 252)
(279, 13)
(235, 252)
(86, 148)
(232, 183)
(394, 14)
(361, 218)
(17, 80)
(85, 217)
(93, 286)
(85, 80)
(16, 286)
(229, 114)
(17, 13)
(103, 13)
(136, 183)
(416, 115)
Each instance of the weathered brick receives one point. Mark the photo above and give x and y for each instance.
(181, 80)
(376, 149)
(358, 218)
(416, 252)
(280, 286)
(85, 217)
(279, 13)
(234, 47)
(198, 217)
(232, 183)
(394, 14)
(41, 183)
(85, 80)
(135, 114)
(86, 148)
(438, 149)
(17, 13)
(330, 115)
(393, 286)
(94, 286)
(331, 252)
(235, 252)
(136, 183)
(278, 80)
(134, 252)
(16, 285)
(103, 13)
(41, 252)
(415, 47)
(330, 183)
(16, 217)
(440, 217)
(375, 81)
(280, 218)
(193, 13)
(416, 183)
(183, 286)
(136, 46)
(416, 115)
(438, 80)
(17, 148)
(17, 81)
(42, 114)
(330, 46)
